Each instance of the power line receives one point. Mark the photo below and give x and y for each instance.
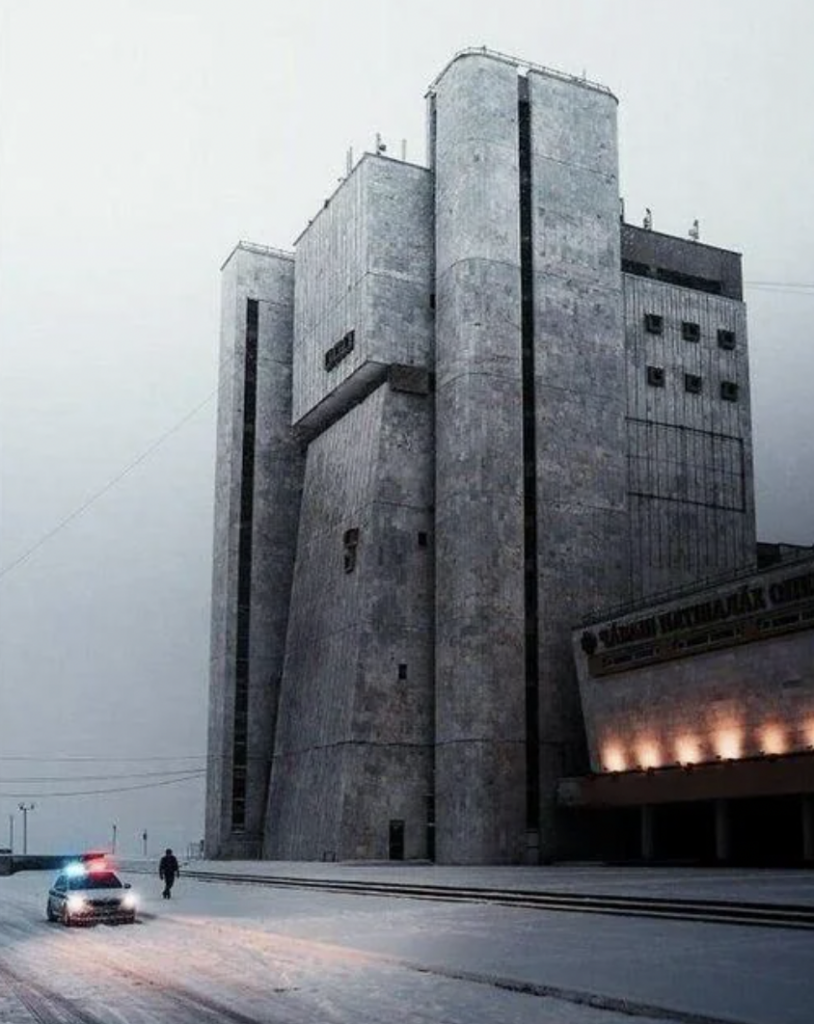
(103, 760)
(791, 287)
(97, 792)
(107, 487)
(99, 778)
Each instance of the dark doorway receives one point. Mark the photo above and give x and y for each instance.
(685, 832)
(396, 839)
(767, 831)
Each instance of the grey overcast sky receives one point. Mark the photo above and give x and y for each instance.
(139, 140)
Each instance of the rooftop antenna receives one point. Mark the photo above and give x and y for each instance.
(380, 146)
(647, 223)
(404, 150)
(695, 231)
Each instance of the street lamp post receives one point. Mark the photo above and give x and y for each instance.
(25, 808)
(144, 841)
(115, 830)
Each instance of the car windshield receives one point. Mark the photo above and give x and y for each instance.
(96, 880)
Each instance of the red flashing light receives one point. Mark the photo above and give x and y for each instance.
(97, 865)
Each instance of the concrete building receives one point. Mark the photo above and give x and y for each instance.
(473, 408)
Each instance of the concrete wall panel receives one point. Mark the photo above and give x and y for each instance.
(364, 264)
(345, 702)
(268, 277)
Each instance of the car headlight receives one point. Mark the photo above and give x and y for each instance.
(76, 903)
(129, 902)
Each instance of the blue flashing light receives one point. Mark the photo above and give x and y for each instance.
(75, 870)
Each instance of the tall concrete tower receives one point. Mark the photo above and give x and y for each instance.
(257, 494)
(530, 422)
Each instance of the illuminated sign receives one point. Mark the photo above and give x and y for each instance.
(748, 613)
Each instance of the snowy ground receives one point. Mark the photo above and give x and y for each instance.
(758, 885)
(225, 952)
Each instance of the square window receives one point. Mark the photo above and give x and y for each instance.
(729, 391)
(653, 323)
(690, 331)
(726, 339)
(692, 383)
(655, 376)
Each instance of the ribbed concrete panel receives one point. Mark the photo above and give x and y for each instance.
(268, 278)
(480, 687)
(579, 387)
(364, 264)
(690, 453)
(353, 745)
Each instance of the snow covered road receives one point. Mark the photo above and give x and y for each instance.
(234, 953)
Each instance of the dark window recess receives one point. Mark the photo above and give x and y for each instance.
(422, 538)
(690, 331)
(726, 339)
(350, 541)
(653, 323)
(337, 352)
(729, 391)
(693, 383)
(699, 284)
(634, 267)
(432, 300)
(402, 671)
(655, 376)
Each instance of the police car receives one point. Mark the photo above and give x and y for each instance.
(86, 891)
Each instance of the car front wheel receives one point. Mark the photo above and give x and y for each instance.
(49, 912)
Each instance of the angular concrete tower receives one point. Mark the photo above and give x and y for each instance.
(530, 419)
(440, 448)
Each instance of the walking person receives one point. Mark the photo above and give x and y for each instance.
(168, 871)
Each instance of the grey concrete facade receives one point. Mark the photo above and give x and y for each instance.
(239, 736)
(354, 736)
(579, 373)
(455, 459)
(690, 473)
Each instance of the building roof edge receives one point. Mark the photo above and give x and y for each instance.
(521, 65)
(259, 250)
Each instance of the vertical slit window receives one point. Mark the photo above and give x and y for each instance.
(240, 722)
(529, 455)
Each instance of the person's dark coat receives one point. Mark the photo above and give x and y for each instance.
(168, 868)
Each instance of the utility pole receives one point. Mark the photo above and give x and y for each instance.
(115, 830)
(25, 808)
(144, 841)
(11, 833)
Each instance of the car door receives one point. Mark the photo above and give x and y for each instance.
(58, 893)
